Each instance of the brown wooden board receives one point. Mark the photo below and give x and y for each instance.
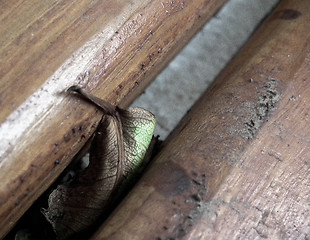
(238, 166)
(111, 48)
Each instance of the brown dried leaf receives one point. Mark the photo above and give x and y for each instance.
(117, 151)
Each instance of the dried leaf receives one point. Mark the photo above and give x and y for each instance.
(118, 148)
(23, 234)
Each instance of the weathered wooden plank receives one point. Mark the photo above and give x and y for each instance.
(111, 48)
(237, 167)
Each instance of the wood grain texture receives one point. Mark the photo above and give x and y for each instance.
(237, 167)
(111, 48)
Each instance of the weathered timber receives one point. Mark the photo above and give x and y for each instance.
(111, 48)
(237, 166)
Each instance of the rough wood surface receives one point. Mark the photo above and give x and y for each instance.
(111, 48)
(237, 167)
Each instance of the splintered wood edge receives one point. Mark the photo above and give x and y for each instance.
(43, 134)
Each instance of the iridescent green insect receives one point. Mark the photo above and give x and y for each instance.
(117, 150)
